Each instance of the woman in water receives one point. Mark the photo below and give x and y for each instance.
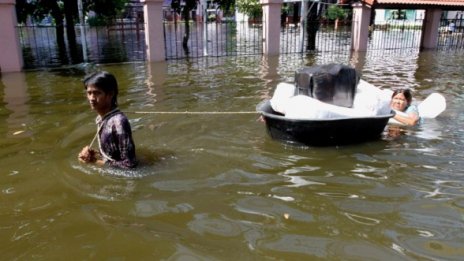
(405, 112)
(116, 146)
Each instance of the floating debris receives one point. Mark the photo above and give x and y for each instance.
(18, 132)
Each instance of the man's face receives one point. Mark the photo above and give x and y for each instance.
(99, 101)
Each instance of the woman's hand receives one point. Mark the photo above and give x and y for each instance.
(410, 119)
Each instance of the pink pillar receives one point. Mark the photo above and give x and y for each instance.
(11, 58)
(360, 27)
(430, 28)
(154, 37)
(271, 26)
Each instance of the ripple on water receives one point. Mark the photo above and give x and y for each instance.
(360, 250)
(102, 187)
(366, 207)
(150, 162)
(424, 215)
(149, 208)
(271, 208)
(435, 225)
(299, 244)
(295, 246)
(185, 253)
(219, 226)
(362, 219)
(459, 203)
(389, 192)
(231, 177)
(370, 172)
(430, 248)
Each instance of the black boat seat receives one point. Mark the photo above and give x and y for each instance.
(331, 83)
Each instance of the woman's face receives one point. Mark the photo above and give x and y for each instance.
(399, 102)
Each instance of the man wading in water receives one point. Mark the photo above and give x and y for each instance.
(114, 132)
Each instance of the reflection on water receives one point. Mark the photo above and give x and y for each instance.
(216, 186)
(16, 98)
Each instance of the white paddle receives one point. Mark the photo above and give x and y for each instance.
(432, 106)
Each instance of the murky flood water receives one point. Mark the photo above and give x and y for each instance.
(216, 186)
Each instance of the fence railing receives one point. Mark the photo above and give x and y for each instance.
(451, 34)
(329, 38)
(395, 34)
(125, 40)
(215, 39)
(120, 42)
(39, 46)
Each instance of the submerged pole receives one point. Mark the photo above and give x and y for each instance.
(204, 11)
(303, 22)
(83, 34)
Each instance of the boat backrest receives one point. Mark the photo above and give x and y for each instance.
(331, 83)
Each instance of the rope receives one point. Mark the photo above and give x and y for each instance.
(194, 112)
(94, 138)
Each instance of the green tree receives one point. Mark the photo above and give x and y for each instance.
(225, 5)
(335, 12)
(106, 10)
(184, 8)
(312, 26)
(252, 8)
(38, 10)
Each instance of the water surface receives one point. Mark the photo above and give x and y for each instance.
(216, 186)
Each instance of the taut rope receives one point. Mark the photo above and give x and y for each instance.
(193, 112)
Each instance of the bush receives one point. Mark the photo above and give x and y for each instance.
(335, 12)
(97, 21)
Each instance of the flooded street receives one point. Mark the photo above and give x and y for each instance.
(216, 186)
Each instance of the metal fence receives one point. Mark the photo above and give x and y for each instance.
(451, 34)
(39, 47)
(395, 34)
(121, 42)
(329, 38)
(228, 38)
(125, 40)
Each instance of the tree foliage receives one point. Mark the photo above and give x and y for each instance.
(252, 8)
(39, 9)
(227, 6)
(106, 10)
(184, 6)
(336, 12)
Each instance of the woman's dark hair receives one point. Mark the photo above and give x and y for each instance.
(104, 81)
(406, 92)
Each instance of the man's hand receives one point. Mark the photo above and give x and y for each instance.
(87, 155)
